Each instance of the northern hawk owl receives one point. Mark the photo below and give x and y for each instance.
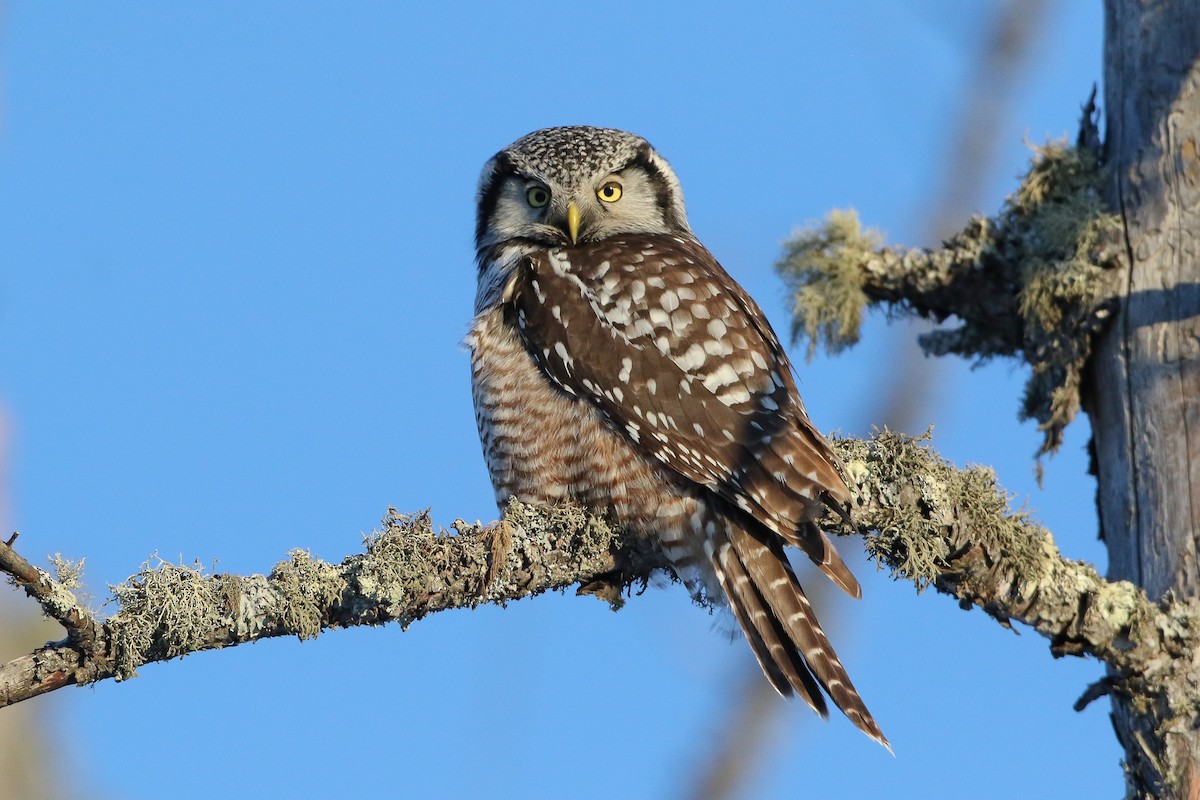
(618, 366)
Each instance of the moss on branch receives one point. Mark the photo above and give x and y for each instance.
(924, 519)
(1036, 281)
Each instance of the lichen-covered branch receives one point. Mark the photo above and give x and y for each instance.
(838, 268)
(53, 595)
(938, 525)
(1036, 281)
(950, 528)
(924, 519)
(407, 571)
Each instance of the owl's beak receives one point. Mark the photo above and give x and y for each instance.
(573, 221)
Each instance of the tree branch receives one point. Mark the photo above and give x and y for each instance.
(408, 571)
(54, 596)
(926, 520)
(937, 525)
(1035, 281)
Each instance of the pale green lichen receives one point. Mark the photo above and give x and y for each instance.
(68, 573)
(165, 610)
(1062, 251)
(305, 587)
(921, 498)
(545, 525)
(564, 538)
(822, 266)
(1034, 281)
(401, 563)
(60, 597)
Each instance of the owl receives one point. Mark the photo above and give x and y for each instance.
(616, 365)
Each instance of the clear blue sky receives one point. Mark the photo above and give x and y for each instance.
(236, 271)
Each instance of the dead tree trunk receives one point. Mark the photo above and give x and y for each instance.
(1144, 392)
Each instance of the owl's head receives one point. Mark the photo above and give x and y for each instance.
(566, 186)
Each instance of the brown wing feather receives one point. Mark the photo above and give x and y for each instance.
(670, 349)
(707, 392)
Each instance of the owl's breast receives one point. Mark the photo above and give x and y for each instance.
(544, 445)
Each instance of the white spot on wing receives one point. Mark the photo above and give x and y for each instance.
(641, 327)
(618, 316)
(721, 376)
(693, 358)
(718, 347)
(734, 395)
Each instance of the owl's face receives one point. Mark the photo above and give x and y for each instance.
(570, 186)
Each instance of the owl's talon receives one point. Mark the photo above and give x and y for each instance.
(609, 587)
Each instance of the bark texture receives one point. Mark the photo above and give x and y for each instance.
(1144, 397)
(407, 571)
(924, 519)
(1091, 275)
(1034, 282)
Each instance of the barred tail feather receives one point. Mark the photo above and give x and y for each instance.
(816, 545)
(770, 583)
(780, 662)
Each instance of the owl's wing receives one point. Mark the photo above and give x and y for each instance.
(654, 333)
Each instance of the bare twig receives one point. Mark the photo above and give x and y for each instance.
(55, 599)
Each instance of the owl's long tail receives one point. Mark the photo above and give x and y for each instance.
(783, 631)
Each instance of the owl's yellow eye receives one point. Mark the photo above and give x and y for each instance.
(537, 196)
(609, 192)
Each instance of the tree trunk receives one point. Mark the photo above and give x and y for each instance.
(1145, 383)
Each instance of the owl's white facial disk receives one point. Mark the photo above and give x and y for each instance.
(637, 210)
(526, 191)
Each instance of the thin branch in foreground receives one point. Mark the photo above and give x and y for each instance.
(926, 520)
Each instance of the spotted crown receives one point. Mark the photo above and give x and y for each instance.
(569, 155)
